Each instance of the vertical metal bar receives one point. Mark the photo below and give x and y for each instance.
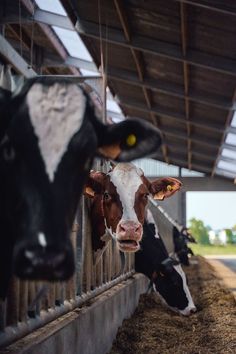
(13, 302)
(38, 304)
(74, 244)
(52, 295)
(83, 248)
(78, 253)
(110, 261)
(23, 301)
(31, 296)
(58, 294)
(3, 312)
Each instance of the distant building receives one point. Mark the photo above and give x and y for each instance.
(219, 237)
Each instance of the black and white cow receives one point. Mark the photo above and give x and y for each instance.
(49, 137)
(181, 237)
(164, 272)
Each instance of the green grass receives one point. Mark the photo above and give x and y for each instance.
(213, 250)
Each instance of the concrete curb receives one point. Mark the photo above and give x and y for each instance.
(87, 330)
(226, 275)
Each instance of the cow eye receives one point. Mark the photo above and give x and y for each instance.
(145, 196)
(8, 154)
(106, 196)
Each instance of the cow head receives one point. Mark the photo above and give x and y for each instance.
(171, 284)
(50, 140)
(181, 238)
(165, 273)
(188, 236)
(123, 193)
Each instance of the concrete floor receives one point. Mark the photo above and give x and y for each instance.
(228, 260)
(225, 267)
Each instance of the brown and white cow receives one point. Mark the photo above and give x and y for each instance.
(119, 211)
(119, 201)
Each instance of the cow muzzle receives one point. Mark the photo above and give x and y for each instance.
(188, 311)
(128, 235)
(44, 263)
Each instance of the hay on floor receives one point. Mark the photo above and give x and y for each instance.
(153, 329)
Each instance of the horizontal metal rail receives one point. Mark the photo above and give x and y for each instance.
(13, 333)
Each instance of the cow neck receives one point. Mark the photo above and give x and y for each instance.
(150, 220)
(158, 244)
(100, 235)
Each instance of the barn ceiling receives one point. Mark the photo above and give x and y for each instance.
(170, 62)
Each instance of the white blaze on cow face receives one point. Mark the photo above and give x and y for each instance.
(126, 178)
(56, 114)
(42, 239)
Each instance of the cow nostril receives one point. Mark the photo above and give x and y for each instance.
(122, 228)
(29, 254)
(138, 228)
(193, 310)
(44, 257)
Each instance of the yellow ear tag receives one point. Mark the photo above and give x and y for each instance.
(169, 188)
(131, 140)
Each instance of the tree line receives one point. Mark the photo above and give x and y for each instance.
(201, 232)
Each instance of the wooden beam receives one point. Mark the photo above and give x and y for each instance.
(158, 48)
(171, 115)
(202, 4)
(177, 161)
(200, 153)
(119, 5)
(174, 90)
(138, 60)
(151, 84)
(212, 143)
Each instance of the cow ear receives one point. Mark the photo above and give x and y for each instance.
(94, 184)
(165, 187)
(128, 140)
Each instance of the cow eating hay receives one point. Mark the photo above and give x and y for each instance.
(212, 329)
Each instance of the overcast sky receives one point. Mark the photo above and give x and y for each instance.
(216, 209)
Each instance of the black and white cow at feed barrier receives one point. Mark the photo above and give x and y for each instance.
(181, 237)
(46, 151)
(165, 273)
